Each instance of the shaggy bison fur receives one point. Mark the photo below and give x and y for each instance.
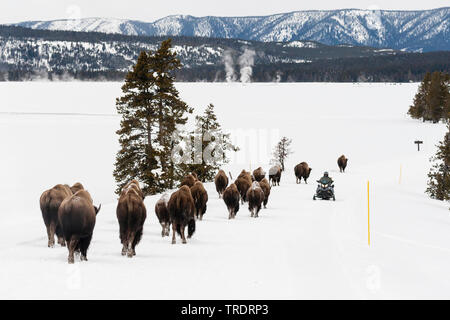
(50, 202)
(255, 197)
(76, 187)
(162, 212)
(231, 198)
(342, 163)
(259, 174)
(265, 186)
(181, 211)
(200, 197)
(189, 180)
(221, 182)
(302, 170)
(275, 175)
(77, 216)
(131, 214)
(243, 183)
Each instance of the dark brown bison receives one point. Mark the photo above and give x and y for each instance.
(342, 163)
(50, 202)
(76, 187)
(259, 174)
(243, 183)
(181, 211)
(162, 212)
(221, 182)
(133, 184)
(265, 186)
(231, 198)
(275, 175)
(255, 197)
(189, 180)
(131, 214)
(302, 170)
(77, 215)
(200, 197)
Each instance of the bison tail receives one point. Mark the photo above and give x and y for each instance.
(191, 227)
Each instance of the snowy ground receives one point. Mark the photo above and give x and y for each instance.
(65, 132)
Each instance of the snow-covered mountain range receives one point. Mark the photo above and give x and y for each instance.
(424, 30)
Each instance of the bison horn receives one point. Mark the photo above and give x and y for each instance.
(97, 209)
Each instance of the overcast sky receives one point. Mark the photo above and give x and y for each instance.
(150, 10)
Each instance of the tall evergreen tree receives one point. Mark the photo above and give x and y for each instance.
(282, 151)
(150, 110)
(209, 146)
(417, 110)
(435, 98)
(431, 101)
(439, 177)
(170, 108)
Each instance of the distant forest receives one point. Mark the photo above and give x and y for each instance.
(27, 54)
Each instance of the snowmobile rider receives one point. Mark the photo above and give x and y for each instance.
(326, 180)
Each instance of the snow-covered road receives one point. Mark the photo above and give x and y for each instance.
(298, 248)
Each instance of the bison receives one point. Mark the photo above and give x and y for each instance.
(50, 202)
(133, 184)
(231, 199)
(221, 182)
(259, 174)
(181, 211)
(189, 180)
(342, 163)
(77, 215)
(162, 212)
(76, 187)
(243, 183)
(200, 197)
(255, 197)
(275, 175)
(302, 170)
(131, 214)
(265, 186)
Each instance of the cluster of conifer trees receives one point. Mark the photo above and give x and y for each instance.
(432, 101)
(151, 132)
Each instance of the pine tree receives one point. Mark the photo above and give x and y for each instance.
(209, 146)
(417, 110)
(439, 178)
(435, 98)
(282, 151)
(171, 109)
(150, 110)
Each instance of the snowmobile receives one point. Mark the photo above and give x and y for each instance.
(325, 191)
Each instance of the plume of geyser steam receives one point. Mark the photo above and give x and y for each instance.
(246, 62)
(229, 66)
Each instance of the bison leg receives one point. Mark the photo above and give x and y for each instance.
(51, 234)
(182, 233)
(163, 232)
(167, 228)
(131, 238)
(137, 239)
(72, 245)
(84, 245)
(174, 231)
(123, 239)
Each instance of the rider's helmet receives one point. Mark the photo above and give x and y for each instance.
(325, 174)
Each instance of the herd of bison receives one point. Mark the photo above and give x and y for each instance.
(69, 212)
